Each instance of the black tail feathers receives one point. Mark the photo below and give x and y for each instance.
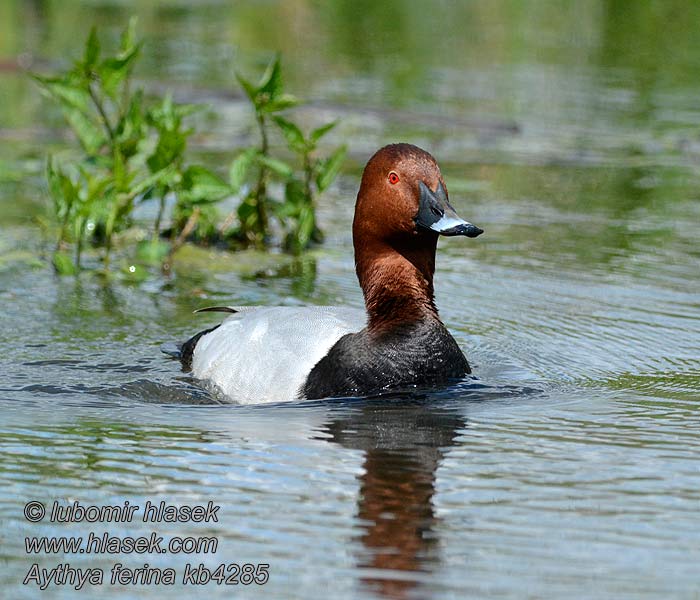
(184, 351)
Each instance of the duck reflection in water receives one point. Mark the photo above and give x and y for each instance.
(404, 446)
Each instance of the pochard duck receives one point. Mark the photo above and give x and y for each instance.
(274, 354)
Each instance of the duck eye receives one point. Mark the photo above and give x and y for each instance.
(393, 178)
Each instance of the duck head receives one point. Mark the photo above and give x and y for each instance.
(402, 208)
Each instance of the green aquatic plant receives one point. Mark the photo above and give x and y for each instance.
(133, 151)
(267, 98)
(295, 211)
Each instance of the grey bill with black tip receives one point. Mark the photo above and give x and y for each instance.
(435, 212)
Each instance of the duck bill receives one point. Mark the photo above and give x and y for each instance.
(436, 213)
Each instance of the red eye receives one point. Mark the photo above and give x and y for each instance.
(393, 178)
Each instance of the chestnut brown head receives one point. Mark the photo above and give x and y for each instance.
(403, 195)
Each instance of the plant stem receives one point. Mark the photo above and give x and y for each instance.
(109, 229)
(261, 187)
(159, 217)
(186, 230)
(79, 243)
(126, 94)
(307, 177)
(101, 110)
(227, 222)
(108, 249)
(62, 233)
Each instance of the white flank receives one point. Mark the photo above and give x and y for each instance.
(265, 354)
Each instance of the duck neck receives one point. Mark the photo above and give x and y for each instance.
(397, 281)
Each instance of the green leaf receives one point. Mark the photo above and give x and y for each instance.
(63, 264)
(299, 237)
(293, 135)
(207, 230)
(120, 207)
(185, 110)
(248, 213)
(250, 90)
(70, 94)
(92, 189)
(53, 176)
(317, 134)
(119, 171)
(268, 95)
(79, 227)
(246, 209)
(200, 185)
(307, 222)
(63, 192)
(113, 71)
(317, 236)
(76, 104)
(89, 134)
(295, 196)
(276, 166)
(165, 177)
(131, 129)
(162, 116)
(92, 50)
(168, 151)
(282, 102)
(271, 82)
(284, 211)
(329, 168)
(240, 167)
(128, 38)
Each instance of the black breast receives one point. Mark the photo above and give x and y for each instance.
(360, 364)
